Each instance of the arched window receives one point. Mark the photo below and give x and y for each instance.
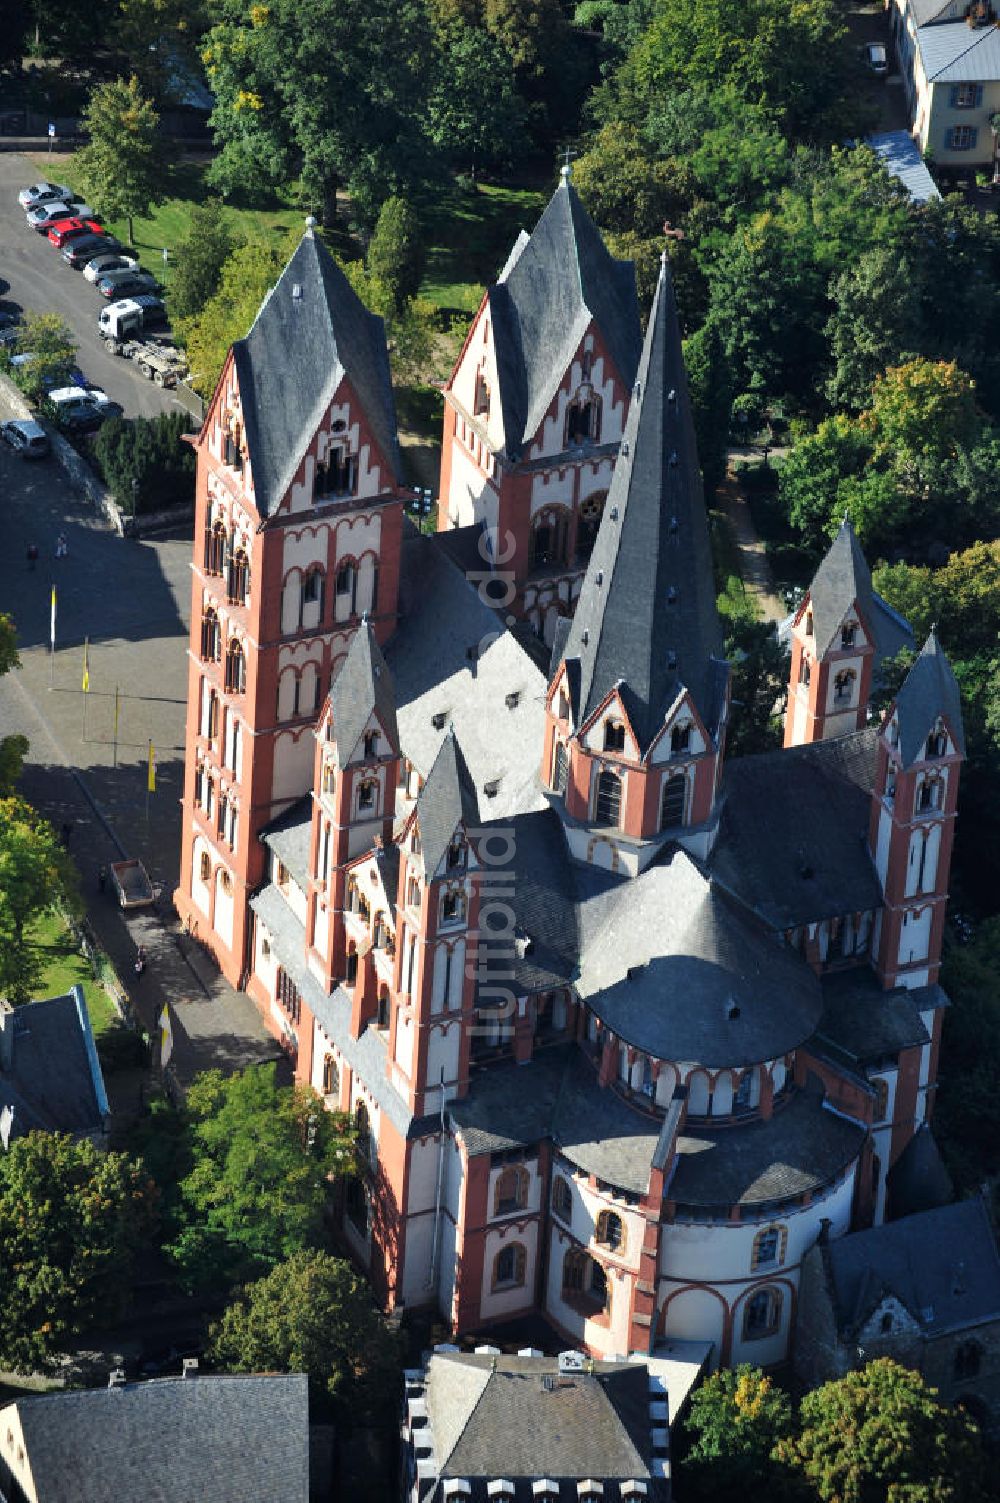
(583, 419)
(560, 773)
(968, 1359)
(848, 632)
(351, 967)
(769, 1247)
(885, 1324)
(371, 745)
(614, 736)
(331, 1076)
(588, 523)
(329, 777)
(508, 1266)
(762, 1314)
(346, 588)
(937, 742)
(608, 805)
(672, 801)
(287, 995)
(211, 636)
(453, 907)
(356, 1205)
(610, 1231)
(205, 866)
(562, 1198)
(511, 1191)
(236, 668)
(456, 853)
(368, 796)
(363, 1127)
(584, 1280)
(215, 548)
(548, 539)
(929, 795)
(805, 669)
(382, 1017)
(843, 687)
(312, 588)
(680, 739)
(881, 1099)
(746, 1092)
(239, 577)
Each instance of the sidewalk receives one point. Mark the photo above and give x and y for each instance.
(755, 570)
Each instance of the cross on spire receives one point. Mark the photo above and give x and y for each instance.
(566, 170)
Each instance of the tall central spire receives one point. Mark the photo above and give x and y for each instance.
(646, 615)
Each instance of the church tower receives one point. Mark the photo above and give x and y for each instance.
(637, 705)
(535, 409)
(298, 525)
(920, 753)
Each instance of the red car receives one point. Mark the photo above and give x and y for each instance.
(67, 229)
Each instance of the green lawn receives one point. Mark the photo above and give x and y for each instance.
(63, 966)
(469, 237)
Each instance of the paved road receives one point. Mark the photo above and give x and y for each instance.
(132, 599)
(40, 279)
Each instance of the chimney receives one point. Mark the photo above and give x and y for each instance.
(116, 1377)
(6, 1035)
(189, 1367)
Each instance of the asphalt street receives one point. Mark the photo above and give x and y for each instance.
(132, 600)
(40, 279)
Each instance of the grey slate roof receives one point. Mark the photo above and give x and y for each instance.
(554, 283)
(497, 1418)
(301, 346)
(646, 616)
(919, 1180)
(930, 689)
(452, 661)
(842, 578)
(229, 1439)
(289, 837)
(952, 53)
(942, 1265)
(543, 898)
(802, 1147)
(866, 1023)
(673, 968)
(363, 687)
(55, 1082)
(447, 800)
(900, 155)
(793, 836)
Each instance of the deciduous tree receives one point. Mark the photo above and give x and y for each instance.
(13, 748)
(34, 876)
(735, 1420)
(395, 252)
(52, 348)
(247, 276)
(476, 114)
(71, 1219)
(123, 168)
(199, 259)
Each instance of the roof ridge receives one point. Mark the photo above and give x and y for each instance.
(490, 1375)
(965, 51)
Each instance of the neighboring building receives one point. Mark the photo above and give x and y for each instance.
(221, 1439)
(50, 1075)
(924, 1290)
(949, 57)
(532, 1429)
(621, 1024)
(899, 154)
(535, 410)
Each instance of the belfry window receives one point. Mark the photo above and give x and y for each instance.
(560, 774)
(588, 523)
(614, 736)
(583, 420)
(236, 669)
(608, 805)
(211, 636)
(848, 633)
(338, 476)
(937, 742)
(548, 539)
(843, 688)
(215, 548)
(239, 577)
(680, 739)
(929, 795)
(672, 801)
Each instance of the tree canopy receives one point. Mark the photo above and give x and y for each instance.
(123, 166)
(35, 875)
(71, 1220)
(735, 1420)
(198, 259)
(46, 338)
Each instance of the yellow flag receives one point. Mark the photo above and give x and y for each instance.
(166, 1037)
(151, 774)
(86, 665)
(52, 620)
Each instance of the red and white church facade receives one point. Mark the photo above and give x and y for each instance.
(625, 1025)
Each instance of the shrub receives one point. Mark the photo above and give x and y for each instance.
(144, 459)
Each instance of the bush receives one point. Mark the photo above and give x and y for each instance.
(143, 460)
(395, 253)
(121, 1048)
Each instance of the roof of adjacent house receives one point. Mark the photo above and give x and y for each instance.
(929, 690)
(170, 1441)
(674, 969)
(312, 332)
(900, 155)
(362, 688)
(646, 620)
(953, 52)
(521, 1419)
(941, 1264)
(793, 839)
(555, 282)
(55, 1082)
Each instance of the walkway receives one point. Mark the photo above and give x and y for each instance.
(755, 570)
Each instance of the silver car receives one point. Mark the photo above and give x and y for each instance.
(25, 437)
(111, 261)
(40, 193)
(45, 215)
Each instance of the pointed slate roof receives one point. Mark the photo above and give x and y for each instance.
(930, 689)
(311, 331)
(362, 687)
(553, 284)
(447, 799)
(646, 618)
(841, 579)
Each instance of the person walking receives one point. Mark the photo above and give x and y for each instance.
(62, 546)
(32, 556)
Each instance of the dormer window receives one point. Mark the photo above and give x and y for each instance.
(937, 742)
(583, 420)
(848, 633)
(614, 736)
(371, 745)
(680, 739)
(456, 853)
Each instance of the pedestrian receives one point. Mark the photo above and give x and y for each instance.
(32, 556)
(140, 960)
(102, 878)
(62, 547)
(66, 834)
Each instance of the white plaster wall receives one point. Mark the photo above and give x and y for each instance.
(696, 1315)
(223, 920)
(915, 936)
(605, 1337)
(405, 1039)
(442, 1052)
(293, 765)
(471, 496)
(480, 353)
(265, 961)
(551, 488)
(551, 438)
(587, 1204)
(302, 547)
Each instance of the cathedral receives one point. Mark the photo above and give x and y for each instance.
(625, 1027)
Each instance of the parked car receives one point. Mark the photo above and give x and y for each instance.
(71, 395)
(126, 284)
(85, 247)
(69, 229)
(41, 192)
(44, 215)
(123, 320)
(877, 58)
(25, 437)
(118, 260)
(84, 416)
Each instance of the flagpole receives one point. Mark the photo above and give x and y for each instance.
(52, 641)
(149, 775)
(86, 682)
(116, 727)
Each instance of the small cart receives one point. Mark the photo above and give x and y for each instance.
(132, 883)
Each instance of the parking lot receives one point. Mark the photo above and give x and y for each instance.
(40, 279)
